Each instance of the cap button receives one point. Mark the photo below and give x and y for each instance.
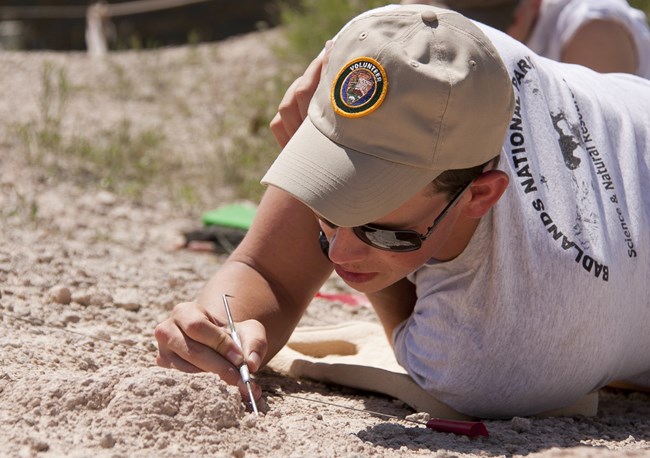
(429, 16)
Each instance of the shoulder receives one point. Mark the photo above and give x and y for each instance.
(604, 45)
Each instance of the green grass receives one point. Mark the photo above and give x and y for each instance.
(313, 22)
(122, 159)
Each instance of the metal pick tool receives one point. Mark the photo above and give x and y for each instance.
(243, 369)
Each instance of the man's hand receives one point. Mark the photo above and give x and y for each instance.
(272, 276)
(193, 340)
(292, 110)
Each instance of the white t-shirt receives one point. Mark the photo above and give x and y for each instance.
(551, 298)
(559, 20)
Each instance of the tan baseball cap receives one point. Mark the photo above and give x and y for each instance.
(407, 93)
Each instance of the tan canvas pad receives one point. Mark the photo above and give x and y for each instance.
(358, 355)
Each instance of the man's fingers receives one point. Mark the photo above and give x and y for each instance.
(191, 340)
(254, 341)
(278, 130)
(203, 329)
(179, 351)
(307, 84)
(293, 107)
(289, 111)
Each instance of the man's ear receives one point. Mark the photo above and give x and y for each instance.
(485, 192)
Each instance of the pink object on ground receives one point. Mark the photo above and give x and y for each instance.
(348, 299)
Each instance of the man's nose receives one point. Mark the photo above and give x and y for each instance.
(346, 247)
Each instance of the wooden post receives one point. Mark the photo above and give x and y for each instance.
(96, 17)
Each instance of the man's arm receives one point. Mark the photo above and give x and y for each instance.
(604, 46)
(276, 270)
(272, 276)
(394, 304)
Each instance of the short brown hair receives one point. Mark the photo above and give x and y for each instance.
(450, 182)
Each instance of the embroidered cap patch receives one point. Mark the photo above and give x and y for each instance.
(359, 88)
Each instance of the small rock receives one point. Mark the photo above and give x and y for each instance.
(60, 294)
(419, 416)
(82, 298)
(45, 258)
(521, 425)
(71, 318)
(107, 441)
(40, 446)
(106, 198)
(127, 299)
(99, 299)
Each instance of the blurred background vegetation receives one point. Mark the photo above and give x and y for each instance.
(133, 159)
(642, 5)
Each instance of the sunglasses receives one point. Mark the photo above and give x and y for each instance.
(399, 241)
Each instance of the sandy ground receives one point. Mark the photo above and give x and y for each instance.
(85, 275)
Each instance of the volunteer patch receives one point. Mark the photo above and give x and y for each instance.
(359, 88)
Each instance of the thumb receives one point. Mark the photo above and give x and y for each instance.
(254, 343)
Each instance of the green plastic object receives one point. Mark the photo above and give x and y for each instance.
(238, 216)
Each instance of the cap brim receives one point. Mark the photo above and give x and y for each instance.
(347, 187)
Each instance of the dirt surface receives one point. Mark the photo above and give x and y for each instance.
(85, 275)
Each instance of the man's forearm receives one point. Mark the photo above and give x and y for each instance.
(275, 272)
(254, 298)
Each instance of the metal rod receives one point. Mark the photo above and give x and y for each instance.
(243, 369)
(465, 428)
(366, 411)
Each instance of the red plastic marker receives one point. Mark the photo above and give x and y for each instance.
(466, 428)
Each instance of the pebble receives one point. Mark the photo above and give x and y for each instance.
(419, 416)
(82, 298)
(45, 258)
(106, 198)
(127, 299)
(100, 299)
(107, 441)
(521, 425)
(60, 294)
(40, 446)
(71, 318)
